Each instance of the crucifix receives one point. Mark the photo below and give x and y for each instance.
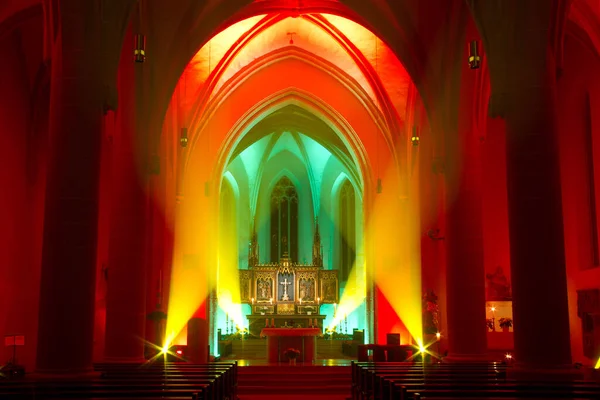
(285, 284)
(291, 35)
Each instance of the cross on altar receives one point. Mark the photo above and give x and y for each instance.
(285, 284)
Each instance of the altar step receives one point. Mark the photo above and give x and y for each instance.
(256, 349)
(329, 349)
(251, 349)
(332, 382)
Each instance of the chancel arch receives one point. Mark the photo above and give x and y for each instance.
(353, 131)
(345, 114)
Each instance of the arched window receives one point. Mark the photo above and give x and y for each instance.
(284, 220)
(347, 230)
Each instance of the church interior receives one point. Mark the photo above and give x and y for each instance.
(189, 174)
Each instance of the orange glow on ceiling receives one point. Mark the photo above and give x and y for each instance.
(311, 33)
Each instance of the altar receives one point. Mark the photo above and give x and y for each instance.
(287, 293)
(281, 339)
(257, 322)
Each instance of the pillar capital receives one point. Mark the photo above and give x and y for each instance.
(522, 43)
(94, 32)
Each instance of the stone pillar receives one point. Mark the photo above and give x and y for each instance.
(538, 270)
(523, 76)
(465, 274)
(66, 312)
(126, 291)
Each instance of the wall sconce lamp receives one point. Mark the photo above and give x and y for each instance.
(415, 139)
(474, 58)
(183, 138)
(139, 53)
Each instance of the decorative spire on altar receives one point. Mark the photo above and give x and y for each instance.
(317, 255)
(253, 250)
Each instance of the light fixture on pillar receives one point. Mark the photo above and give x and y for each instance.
(474, 58)
(415, 139)
(183, 137)
(139, 53)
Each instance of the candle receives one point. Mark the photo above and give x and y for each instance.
(300, 301)
(318, 300)
(271, 300)
(253, 300)
(266, 322)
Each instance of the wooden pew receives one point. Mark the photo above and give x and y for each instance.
(133, 381)
(226, 387)
(71, 390)
(367, 376)
(386, 381)
(517, 390)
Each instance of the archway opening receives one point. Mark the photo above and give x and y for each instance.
(312, 98)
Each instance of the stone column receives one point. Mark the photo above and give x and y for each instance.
(66, 312)
(536, 230)
(523, 76)
(126, 291)
(465, 274)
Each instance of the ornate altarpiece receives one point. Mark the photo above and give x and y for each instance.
(287, 292)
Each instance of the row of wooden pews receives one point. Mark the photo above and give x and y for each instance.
(408, 380)
(213, 381)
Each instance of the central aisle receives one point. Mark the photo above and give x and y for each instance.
(283, 381)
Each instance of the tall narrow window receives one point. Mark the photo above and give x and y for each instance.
(347, 229)
(284, 220)
(591, 182)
